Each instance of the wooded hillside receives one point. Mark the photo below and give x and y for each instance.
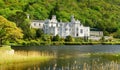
(102, 14)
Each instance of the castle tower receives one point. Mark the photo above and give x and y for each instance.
(53, 16)
(54, 20)
(72, 18)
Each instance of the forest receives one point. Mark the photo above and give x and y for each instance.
(101, 14)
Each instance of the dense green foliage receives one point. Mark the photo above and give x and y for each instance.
(103, 14)
(117, 34)
(9, 31)
(39, 33)
(56, 38)
(69, 39)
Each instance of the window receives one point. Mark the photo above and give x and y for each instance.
(34, 24)
(77, 29)
(77, 34)
(61, 25)
(69, 29)
(66, 29)
(81, 25)
(39, 24)
(81, 31)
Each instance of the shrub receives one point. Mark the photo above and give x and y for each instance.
(69, 39)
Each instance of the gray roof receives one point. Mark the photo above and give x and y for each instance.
(37, 21)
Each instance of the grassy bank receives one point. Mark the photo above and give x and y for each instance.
(67, 43)
(5, 47)
(6, 58)
(85, 43)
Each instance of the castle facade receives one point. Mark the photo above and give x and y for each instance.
(52, 27)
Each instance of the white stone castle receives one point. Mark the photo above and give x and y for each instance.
(52, 27)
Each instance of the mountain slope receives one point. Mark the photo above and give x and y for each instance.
(102, 14)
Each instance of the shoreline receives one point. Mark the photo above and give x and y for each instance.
(68, 43)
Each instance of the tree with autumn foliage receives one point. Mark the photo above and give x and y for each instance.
(9, 31)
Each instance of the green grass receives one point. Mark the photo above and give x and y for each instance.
(5, 47)
(67, 43)
(85, 43)
(6, 58)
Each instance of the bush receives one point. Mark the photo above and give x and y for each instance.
(57, 43)
(31, 43)
(69, 39)
(72, 43)
(5, 47)
(117, 34)
(56, 38)
(79, 39)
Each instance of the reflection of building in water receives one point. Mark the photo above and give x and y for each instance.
(73, 28)
(36, 53)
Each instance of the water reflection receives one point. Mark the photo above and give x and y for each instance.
(66, 58)
(94, 65)
(34, 53)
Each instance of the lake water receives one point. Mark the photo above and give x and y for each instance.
(69, 57)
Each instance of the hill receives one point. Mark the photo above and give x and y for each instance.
(101, 14)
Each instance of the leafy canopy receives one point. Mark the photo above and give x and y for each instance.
(9, 30)
(101, 14)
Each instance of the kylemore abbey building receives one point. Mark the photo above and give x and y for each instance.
(51, 26)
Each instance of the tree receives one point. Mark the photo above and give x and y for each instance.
(9, 30)
(103, 14)
(46, 37)
(39, 33)
(56, 38)
(117, 34)
(2, 34)
(21, 21)
(69, 39)
(29, 33)
(19, 18)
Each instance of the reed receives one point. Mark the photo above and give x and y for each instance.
(22, 56)
(95, 65)
(102, 66)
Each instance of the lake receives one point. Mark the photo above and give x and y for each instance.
(67, 57)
